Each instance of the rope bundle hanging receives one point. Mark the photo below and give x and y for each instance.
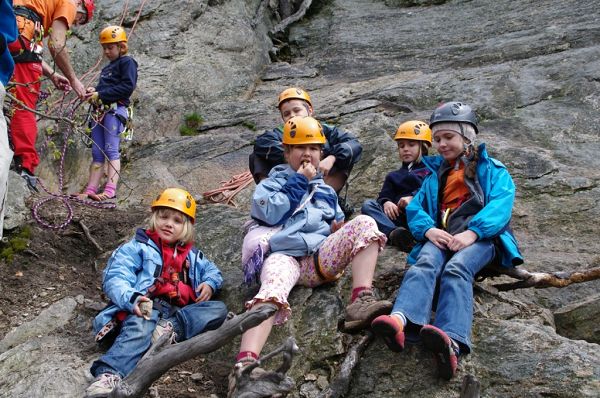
(229, 189)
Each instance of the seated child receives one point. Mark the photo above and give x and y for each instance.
(162, 266)
(414, 139)
(340, 151)
(460, 217)
(313, 246)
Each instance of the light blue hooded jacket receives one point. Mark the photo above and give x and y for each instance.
(304, 208)
(134, 267)
(492, 221)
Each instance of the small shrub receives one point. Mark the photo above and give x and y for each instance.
(191, 124)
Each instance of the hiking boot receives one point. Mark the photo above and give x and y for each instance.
(237, 369)
(103, 386)
(402, 239)
(364, 309)
(391, 330)
(30, 179)
(445, 350)
(164, 327)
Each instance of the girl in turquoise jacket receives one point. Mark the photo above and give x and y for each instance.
(461, 217)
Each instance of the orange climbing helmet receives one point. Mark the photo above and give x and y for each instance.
(178, 199)
(293, 93)
(414, 130)
(113, 34)
(301, 130)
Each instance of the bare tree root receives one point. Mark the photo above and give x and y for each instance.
(249, 384)
(281, 26)
(162, 357)
(89, 236)
(339, 386)
(540, 280)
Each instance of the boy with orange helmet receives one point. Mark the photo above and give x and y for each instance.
(414, 139)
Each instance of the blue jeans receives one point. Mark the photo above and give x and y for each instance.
(135, 336)
(384, 223)
(455, 272)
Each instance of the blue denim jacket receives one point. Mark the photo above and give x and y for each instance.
(133, 268)
(276, 201)
(490, 222)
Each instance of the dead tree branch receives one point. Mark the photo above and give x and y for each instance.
(89, 236)
(281, 26)
(162, 357)
(540, 280)
(339, 387)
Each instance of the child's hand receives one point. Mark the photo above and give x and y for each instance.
(204, 292)
(335, 225)
(91, 96)
(136, 308)
(404, 201)
(462, 240)
(439, 237)
(326, 164)
(307, 170)
(391, 210)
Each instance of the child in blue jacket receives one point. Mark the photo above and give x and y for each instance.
(117, 82)
(341, 150)
(400, 186)
(311, 244)
(461, 219)
(157, 283)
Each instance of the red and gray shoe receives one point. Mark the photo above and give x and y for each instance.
(444, 349)
(390, 330)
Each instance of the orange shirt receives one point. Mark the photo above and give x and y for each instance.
(455, 191)
(49, 11)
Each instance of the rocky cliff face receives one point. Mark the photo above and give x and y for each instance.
(531, 70)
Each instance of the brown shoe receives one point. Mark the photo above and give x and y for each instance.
(364, 309)
(402, 239)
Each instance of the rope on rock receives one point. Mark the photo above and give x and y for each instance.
(229, 189)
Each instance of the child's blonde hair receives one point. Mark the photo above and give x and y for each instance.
(187, 234)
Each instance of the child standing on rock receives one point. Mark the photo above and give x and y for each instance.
(117, 82)
(400, 186)
(461, 219)
(158, 283)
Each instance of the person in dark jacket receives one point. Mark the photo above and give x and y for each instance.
(111, 97)
(414, 139)
(461, 218)
(340, 153)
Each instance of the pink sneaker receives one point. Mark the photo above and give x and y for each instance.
(391, 330)
(445, 350)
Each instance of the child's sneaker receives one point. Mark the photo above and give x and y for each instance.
(103, 386)
(390, 328)
(361, 312)
(402, 239)
(445, 350)
(162, 327)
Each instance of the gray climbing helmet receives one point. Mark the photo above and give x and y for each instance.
(454, 112)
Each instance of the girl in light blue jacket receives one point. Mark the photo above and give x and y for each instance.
(157, 283)
(309, 243)
(461, 217)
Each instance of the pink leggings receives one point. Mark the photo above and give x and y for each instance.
(280, 272)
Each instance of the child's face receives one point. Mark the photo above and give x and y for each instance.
(409, 150)
(449, 144)
(169, 225)
(297, 154)
(111, 51)
(294, 107)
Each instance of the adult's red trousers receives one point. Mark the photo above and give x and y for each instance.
(23, 126)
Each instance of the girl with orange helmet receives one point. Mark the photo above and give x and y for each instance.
(414, 139)
(158, 283)
(110, 97)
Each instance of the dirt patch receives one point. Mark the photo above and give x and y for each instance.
(58, 264)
